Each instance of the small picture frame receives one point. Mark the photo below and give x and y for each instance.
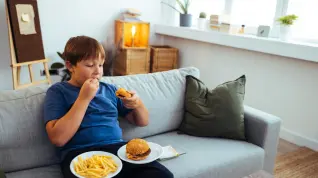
(263, 31)
(214, 19)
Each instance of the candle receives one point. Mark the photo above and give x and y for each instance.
(133, 32)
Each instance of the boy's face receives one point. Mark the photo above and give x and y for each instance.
(86, 69)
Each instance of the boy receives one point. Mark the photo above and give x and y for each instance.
(81, 114)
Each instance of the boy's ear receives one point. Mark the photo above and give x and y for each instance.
(69, 66)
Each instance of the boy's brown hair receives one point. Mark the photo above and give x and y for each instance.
(82, 48)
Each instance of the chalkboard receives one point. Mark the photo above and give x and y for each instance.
(26, 30)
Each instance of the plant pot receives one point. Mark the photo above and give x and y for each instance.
(285, 33)
(185, 20)
(202, 23)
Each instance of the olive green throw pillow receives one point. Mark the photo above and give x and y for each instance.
(217, 112)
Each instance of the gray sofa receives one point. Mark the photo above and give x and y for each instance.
(25, 151)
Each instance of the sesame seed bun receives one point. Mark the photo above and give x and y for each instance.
(137, 149)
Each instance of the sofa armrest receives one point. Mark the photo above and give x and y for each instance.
(263, 129)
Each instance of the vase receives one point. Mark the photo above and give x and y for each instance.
(285, 33)
(185, 20)
(202, 23)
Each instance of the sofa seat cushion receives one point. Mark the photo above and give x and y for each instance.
(42, 172)
(210, 157)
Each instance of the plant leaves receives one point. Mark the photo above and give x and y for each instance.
(182, 6)
(171, 7)
(187, 5)
(287, 20)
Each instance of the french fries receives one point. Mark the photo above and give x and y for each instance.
(97, 166)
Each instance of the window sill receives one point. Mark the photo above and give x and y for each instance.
(305, 51)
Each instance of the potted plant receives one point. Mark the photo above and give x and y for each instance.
(202, 21)
(185, 17)
(285, 25)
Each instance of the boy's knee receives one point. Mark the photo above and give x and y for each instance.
(159, 173)
(169, 175)
(164, 173)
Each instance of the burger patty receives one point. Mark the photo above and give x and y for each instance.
(144, 154)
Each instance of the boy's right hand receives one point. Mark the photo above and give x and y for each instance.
(89, 89)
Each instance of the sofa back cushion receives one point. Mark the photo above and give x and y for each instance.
(163, 95)
(23, 141)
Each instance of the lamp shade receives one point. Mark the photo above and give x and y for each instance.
(132, 34)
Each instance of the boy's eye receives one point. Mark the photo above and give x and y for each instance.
(89, 65)
(100, 65)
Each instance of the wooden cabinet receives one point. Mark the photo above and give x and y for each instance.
(132, 61)
(163, 58)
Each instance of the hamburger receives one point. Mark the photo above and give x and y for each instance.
(137, 149)
(123, 93)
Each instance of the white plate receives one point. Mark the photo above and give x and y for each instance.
(90, 154)
(156, 152)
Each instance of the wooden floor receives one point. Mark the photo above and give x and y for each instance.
(283, 147)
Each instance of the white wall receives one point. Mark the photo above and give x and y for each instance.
(5, 70)
(62, 19)
(282, 86)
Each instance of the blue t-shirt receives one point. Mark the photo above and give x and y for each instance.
(100, 123)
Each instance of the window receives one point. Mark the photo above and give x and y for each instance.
(253, 12)
(306, 27)
(207, 6)
(248, 12)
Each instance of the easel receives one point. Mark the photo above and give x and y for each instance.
(16, 67)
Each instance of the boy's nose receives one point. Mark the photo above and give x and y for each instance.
(97, 69)
(97, 72)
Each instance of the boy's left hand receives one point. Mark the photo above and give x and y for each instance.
(133, 102)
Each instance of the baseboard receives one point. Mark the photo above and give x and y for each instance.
(298, 139)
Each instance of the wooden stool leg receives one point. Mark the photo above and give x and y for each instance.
(31, 73)
(19, 75)
(47, 73)
(15, 77)
(16, 73)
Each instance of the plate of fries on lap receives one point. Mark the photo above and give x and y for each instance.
(96, 164)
